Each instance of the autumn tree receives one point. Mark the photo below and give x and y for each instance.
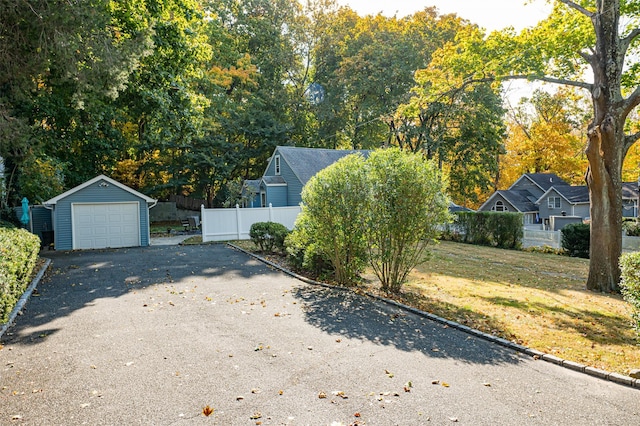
(615, 95)
(546, 135)
(595, 35)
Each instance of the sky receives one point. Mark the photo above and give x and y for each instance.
(489, 14)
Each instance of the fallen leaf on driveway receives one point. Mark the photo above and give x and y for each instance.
(207, 411)
(256, 415)
(322, 395)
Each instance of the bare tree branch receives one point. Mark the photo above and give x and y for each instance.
(631, 102)
(578, 8)
(629, 140)
(626, 42)
(561, 81)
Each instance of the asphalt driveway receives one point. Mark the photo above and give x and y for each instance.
(153, 335)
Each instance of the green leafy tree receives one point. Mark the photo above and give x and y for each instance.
(365, 67)
(406, 204)
(596, 35)
(60, 63)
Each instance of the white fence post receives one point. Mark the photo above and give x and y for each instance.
(238, 222)
(203, 223)
(270, 212)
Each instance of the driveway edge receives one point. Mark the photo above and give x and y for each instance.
(536, 354)
(25, 297)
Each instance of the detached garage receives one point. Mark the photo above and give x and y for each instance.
(100, 213)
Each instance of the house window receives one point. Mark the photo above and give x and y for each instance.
(554, 202)
(263, 199)
(499, 207)
(277, 164)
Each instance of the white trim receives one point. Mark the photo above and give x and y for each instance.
(502, 198)
(54, 200)
(554, 198)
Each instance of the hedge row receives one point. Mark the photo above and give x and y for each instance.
(630, 284)
(18, 255)
(499, 229)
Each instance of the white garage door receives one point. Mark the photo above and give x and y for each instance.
(105, 225)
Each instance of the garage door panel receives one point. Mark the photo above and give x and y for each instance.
(105, 225)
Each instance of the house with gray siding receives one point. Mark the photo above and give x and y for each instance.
(100, 213)
(541, 197)
(565, 200)
(288, 170)
(523, 195)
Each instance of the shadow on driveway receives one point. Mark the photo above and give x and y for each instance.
(342, 313)
(77, 279)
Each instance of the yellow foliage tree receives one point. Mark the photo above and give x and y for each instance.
(546, 134)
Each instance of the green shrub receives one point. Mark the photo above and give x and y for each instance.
(499, 229)
(630, 284)
(546, 249)
(506, 229)
(575, 239)
(333, 213)
(268, 235)
(406, 208)
(18, 255)
(632, 228)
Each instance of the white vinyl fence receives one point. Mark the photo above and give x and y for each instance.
(235, 223)
(533, 238)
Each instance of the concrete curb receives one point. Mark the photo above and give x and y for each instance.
(536, 354)
(25, 296)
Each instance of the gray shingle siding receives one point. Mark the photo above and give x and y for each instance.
(95, 194)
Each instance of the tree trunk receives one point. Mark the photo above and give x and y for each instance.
(606, 151)
(605, 193)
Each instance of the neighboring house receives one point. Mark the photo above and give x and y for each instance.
(630, 198)
(289, 169)
(100, 213)
(523, 195)
(542, 196)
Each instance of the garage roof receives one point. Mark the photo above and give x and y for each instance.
(108, 180)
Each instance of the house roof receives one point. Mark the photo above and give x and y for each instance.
(573, 194)
(274, 180)
(543, 180)
(108, 180)
(454, 208)
(307, 162)
(522, 200)
(253, 185)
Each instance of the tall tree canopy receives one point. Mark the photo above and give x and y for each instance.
(588, 44)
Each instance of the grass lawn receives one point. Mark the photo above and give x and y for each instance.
(535, 299)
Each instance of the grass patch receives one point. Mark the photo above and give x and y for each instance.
(535, 299)
(160, 228)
